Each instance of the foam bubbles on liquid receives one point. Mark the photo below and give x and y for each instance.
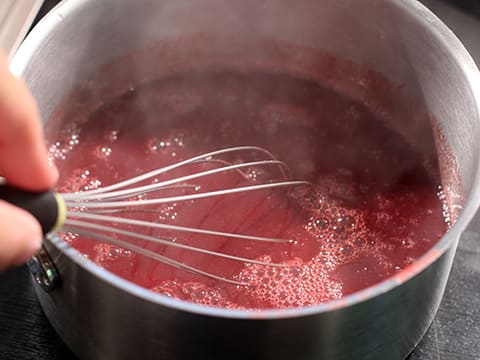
(168, 212)
(112, 136)
(178, 139)
(156, 145)
(60, 149)
(195, 292)
(446, 211)
(107, 252)
(166, 145)
(347, 235)
(81, 180)
(103, 152)
(298, 284)
(295, 284)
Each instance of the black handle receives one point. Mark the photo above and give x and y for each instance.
(42, 205)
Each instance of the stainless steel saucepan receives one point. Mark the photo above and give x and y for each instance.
(101, 316)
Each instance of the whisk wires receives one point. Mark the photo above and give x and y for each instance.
(91, 213)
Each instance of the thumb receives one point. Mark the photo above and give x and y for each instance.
(20, 235)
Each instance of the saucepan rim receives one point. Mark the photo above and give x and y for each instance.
(414, 9)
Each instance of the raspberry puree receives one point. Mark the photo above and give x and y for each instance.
(376, 203)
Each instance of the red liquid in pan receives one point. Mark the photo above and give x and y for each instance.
(374, 207)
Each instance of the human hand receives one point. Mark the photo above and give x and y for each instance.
(23, 163)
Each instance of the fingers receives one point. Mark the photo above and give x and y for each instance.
(23, 156)
(20, 235)
(24, 163)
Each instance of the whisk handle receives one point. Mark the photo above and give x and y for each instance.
(47, 207)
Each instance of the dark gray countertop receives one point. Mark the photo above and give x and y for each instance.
(455, 333)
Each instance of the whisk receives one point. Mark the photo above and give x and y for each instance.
(92, 213)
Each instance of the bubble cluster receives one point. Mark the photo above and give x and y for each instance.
(103, 152)
(107, 253)
(446, 212)
(155, 145)
(60, 149)
(321, 223)
(352, 236)
(178, 139)
(195, 292)
(81, 180)
(168, 212)
(166, 145)
(257, 174)
(297, 284)
(69, 236)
